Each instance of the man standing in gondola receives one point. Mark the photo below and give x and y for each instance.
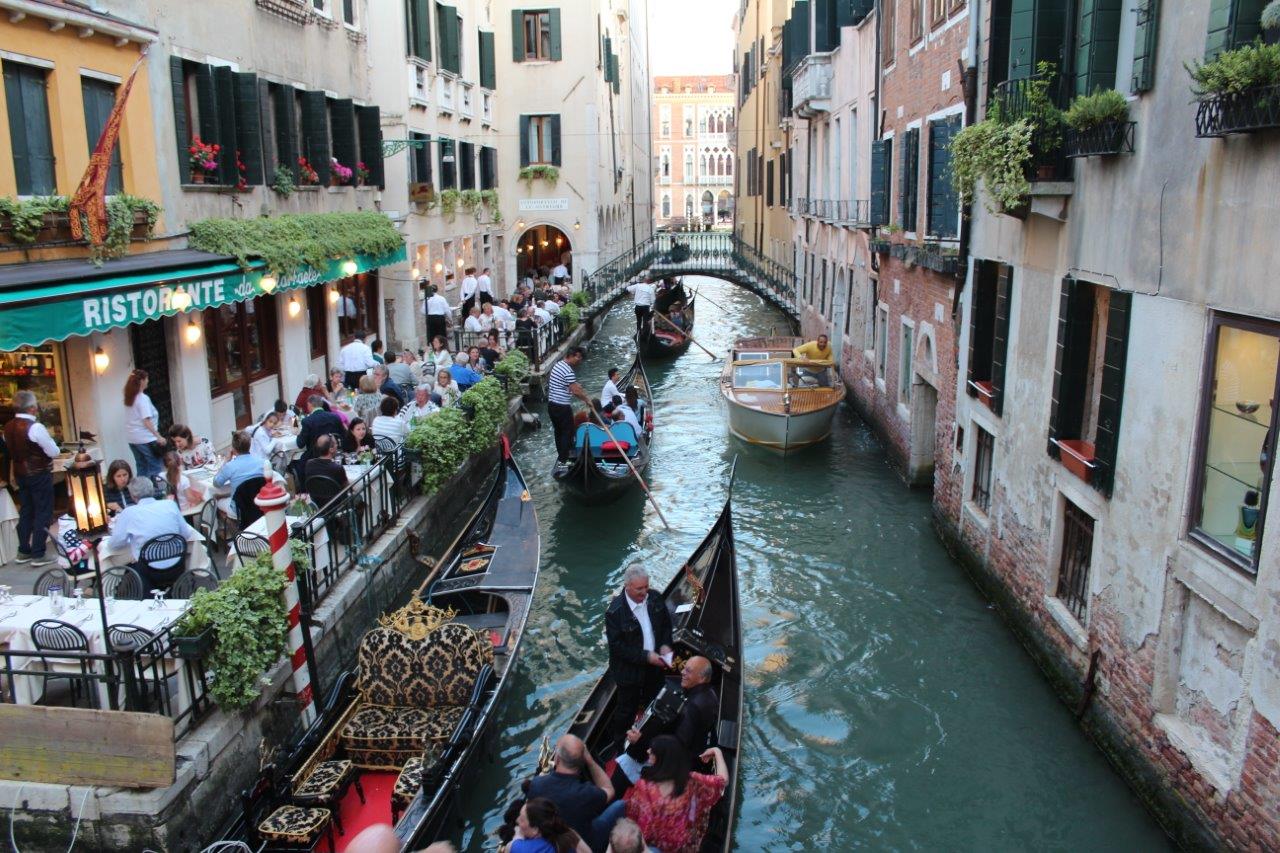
(562, 387)
(638, 628)
(644, 293)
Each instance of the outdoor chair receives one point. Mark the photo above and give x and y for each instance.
(149, 669)
(53, 635)
(210, 527)
(51, 578)
(190, 581)
(247, 511)
(123, 583)
(161, 560)
(250, 545)
(80, 570)
(323, 489)
(384, 445)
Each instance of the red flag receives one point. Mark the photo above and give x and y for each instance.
(90, 198)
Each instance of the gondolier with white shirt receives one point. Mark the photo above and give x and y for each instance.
(644, 293)
(437, 311)
(561, 389)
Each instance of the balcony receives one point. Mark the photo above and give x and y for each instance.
(811, 85)
(715, 180)
(419, 85)
(1247, 111)
(486, 107)
(848, 212)
(1039, 100)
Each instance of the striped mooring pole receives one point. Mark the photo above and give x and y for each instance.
(272, 500)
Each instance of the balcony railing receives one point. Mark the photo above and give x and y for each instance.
(1239, 112)
(716, 180)
(467, 110)
(1013, 100)
(811, 85)
(1113, 137)
(837, 211)
(419, 84)
(444, 93)
(486, 107)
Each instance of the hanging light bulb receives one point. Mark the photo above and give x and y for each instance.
(577, 223)
(559, 241)
(180, 300)
(101, 361)
(439, 267)
(545, 244)
(193, 332)
(519, 250)
(333, 296)
(294, 307)
(350, 268)
(268, 283)
(520, 223)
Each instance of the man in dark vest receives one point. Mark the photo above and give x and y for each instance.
(32, 451)
(638, 628)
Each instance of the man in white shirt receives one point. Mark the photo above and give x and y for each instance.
(623, 412)
(145, 520)
(541, 315)
(484, 287)
(610, 387)
(638, 628)
(354, 360)
(468, 292)
(32, 451)
(560, 274)
(421, 407)
(551, 307)
(644, 293)
(472, 323)
(437, 311)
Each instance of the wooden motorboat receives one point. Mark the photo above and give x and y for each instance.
(598, 472)
(399, 733)
(660, 339)
(778, 401)
(706, 620)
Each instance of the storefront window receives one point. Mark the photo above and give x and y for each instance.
(37, 369)
(357, 309)
(1237, 438)
(240, 341)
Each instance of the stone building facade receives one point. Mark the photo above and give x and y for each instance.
(693, 123)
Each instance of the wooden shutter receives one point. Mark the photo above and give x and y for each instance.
(287, 129)
(978, 341)
(909, 183)
(369, 133)
(554, 123)
(608, 60)
(249, 126)
(448, 171)
(517, 35)
(554, 14)
(1036, 34)
(342, 127)
(768, 185)
(467, 165)
(524, 141)
(943, 206)
(99, 98)
(1075, 327)
(1145, 38)
(224, 87)
(826, 32)
(617, 76)
(181, 132)
(448, 31)
(1232, 23)
(418, 20)
(420, 160)
(206, 104)
(1000, 336)
(267, 134)
(881, 167)
(1111, 398)
(315, 133)
(851, 12)
(1096, 43)
(488, 74)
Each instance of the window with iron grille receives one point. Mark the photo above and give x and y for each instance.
(984, 450)
(1077, 555)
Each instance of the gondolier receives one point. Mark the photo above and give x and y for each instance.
(437, 311)
(644, 293)
(561, 389)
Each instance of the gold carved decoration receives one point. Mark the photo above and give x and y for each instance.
(417, 619)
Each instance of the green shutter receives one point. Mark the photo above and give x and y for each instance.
(342, 128)
(287, 129)
(979, 341)
(224, 87)
(206, 104)
(881, 154)
(617, 76)
(1111, 396)
(1036, 33)
(1071, 360)
(555, 139)
(608, 59)
(28, 108)
(1232, 23)
(448, 171)
(488, 75)
(1097, 39)
(249, 126)
(554, 14)
(943, 205)
(99, 98)
(851, 12)
(517, 35)
(447, 32)
(1144, 45)
(266, 128)
(466, 166)
(1000, 336)
(315, 133)
(418, 23)
(826, 31)
(524, 141)
(369, 132)
(181, 132)
(909, 183)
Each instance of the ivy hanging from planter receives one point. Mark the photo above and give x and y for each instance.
(27, 218)
(292, 242)
(542, 171)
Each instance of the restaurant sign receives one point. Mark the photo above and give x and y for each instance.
(96, 306)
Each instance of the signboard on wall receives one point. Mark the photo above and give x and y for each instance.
(537, 204)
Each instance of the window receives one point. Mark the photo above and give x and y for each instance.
(99, 99)
(29, 135)
(943, 206)
(488, 168)
(420, 158)
(1237, 437)
(762, 376)
(222, 106)
(240, 342)
(1077, 554)
(984, 450)
(449, 37)
(342, 133)
(688, 164)
(848, 303)
(688, 206)
(938, 11)
(768, 184)
(418, 28)
(318, 321)
(357, 309)
(467, 166)
(448, 165)
(1097, 40)
(488, 69)
(822, 294)
(537, 34)
(540, 136)
(369, 139)
(882, 331)
(1088, 381)
(909, 185)
(917, 20)
(349, 12)
(1144, 45)
(665, 164)
(904, 365)
(280, 141)
(888, 21)
(1232, 23)
(989, 333)
(869, 332)
(666, 205)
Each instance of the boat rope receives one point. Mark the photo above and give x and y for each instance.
(75, 829)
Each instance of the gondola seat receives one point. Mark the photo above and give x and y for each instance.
(413, 692)
(326, 785)
(294, 826)
(410, 780)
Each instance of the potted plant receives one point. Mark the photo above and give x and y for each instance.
(282, 182)
(1238, 90)
(204, 159)
(307, 175)
(1045, 118)
(997, 154)
(540, 171)
(1270, 23)
(1098, 123)
(242, 174)
(362, 173)
(1077, 456)
(339, 175)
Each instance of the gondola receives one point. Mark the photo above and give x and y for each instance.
(411, 720)
(598, 472)
(657, 339)
(706, 620)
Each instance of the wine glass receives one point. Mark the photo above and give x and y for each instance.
(157, 599)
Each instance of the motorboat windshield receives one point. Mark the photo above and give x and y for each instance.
(764, 375)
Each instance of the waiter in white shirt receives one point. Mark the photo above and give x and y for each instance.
(354, 360)
(469, 288)
(560, 274)
(484, 286)
(644, 293)
(437, 311)
(503, 321)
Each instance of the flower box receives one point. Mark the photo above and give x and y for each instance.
(1251, 110)
(193, 647)
(1110, 137)
(985, 391)
(1077, 456)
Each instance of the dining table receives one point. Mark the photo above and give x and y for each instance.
(319, 542)
(8, 526)
(202, 486)
(110, 557)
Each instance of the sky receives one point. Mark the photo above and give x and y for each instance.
(691, 36)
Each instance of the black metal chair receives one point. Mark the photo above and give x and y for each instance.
(162, 560)
(190, 581)
(78, 569)
(150, 671)
(128, 638)
(247, 511)
(323, 489)
(51, 578)
(210, 528)
(384, 445)
(124, 583)
(250, 545)
(53, 635)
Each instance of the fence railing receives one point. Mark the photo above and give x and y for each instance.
(1015, 99)
(536, 343)
(843, 211)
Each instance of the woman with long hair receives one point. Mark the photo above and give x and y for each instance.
(439, 356)
(142, 425)
(671, 803)
(194, 452)
(357, 437)
(116, 489)
(540, 829)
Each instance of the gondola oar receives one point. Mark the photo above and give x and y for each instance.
(643, 485)
(684, 334)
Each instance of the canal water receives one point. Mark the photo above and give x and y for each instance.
(887, 705)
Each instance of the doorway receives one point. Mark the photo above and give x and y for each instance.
(924, 428)
(542, 247)
(150, 353)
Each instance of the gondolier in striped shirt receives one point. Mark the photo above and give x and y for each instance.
(561, 389)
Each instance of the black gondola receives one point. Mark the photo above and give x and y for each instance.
(476, 602)
(657, 338)
(598, 472)
(703, 601)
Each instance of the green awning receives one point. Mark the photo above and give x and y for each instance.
(57, 310)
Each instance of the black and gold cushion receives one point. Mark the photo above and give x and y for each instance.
(388, 660)
(407, 784)
(324, 782)
(294, 825)
(452, 658)
(378, 736)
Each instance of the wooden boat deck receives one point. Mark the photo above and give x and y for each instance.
(803, 401)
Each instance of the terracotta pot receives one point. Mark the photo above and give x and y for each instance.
(197, 176)
(1077, 457)
(986, 392)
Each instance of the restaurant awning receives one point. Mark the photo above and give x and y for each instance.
(56, 300)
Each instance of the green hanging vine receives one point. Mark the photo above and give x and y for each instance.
(294, 241)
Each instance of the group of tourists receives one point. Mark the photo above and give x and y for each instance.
(538, 297)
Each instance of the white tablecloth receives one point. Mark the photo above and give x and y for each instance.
(197, 553)
(17, 617)
(8, 526)
(373, 491)
(201, 480)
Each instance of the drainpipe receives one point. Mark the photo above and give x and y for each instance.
(969, 79)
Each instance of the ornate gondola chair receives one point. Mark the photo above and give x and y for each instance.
(410, 780)
(324, 783)
(418, 672)
(271, 826)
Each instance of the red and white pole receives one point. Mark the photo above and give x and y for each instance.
(272, 500)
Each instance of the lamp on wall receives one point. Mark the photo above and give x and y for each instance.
(460, 262)
(268, 283)
(577, 224)
(294, 307)
(193, 332)
(180, 299)
(415, 273)
(333, 295)
(350, 268)
(101, 361)
(439, 267)
(519, 223)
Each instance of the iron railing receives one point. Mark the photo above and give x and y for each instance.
(1253, 109)
(1113, 137)
(1073, 569)
(535, 343)
(1012, 100)
(855, 212)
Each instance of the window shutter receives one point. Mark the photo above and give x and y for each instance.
(99, 99)
(447, 29)
(768, 185)
(1096, 44)
(1036, 33)
(909, 183)
(420, 28)
(206, 104)
(488, 75)
(266, 132)
(369, 131)
(1111, 399)
(315, 133)
(224, 86)
(826, 32)
(617, 77)
(180, 129)
(881, 155)
(448, 171)
(1232, 23)
(554, 122)
(1144, 45)
(517, 35)
(249, 126)
(943, 205)
(342, 125)
(554, 14)
(1000, 337)
(287, 130)
(467, 165)
(1062, 410)
(851, 12)
(975, 309)
(524, 141)
(608, 59)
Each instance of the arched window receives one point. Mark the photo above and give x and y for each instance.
(666, 166)
(728, 165)
(666, 206)
(719, 124)
(703, 164)
(720, 165)
(708, 203)
(688, 164)
(688, 206)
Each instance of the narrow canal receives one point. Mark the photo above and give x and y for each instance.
(887, 705)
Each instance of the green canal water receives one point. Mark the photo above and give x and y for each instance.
(888, 707)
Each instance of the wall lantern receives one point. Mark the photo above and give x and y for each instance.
(415, 273)
(101, 361)
(294, 307)
(577, 223)
(193, 332)
(333, 295)
(519, 223)
(267, 283)
(439, 267)
(349, 268)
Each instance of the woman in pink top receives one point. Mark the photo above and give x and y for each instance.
(670, 802)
